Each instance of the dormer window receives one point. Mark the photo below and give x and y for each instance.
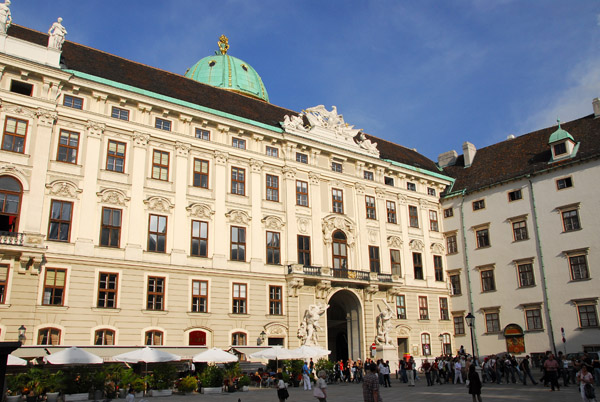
(560, 149)
(562, 145)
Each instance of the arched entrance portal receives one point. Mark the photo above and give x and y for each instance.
(344, 326)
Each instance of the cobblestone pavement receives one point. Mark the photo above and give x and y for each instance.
(398, 392)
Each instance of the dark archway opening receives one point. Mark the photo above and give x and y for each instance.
(344, 326)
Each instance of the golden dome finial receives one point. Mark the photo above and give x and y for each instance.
(223, 44)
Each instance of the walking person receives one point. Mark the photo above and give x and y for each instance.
(525, 367)
(386, 374)
(474, 384)
(320, 391)
(282, 392)
(426, 367)
(371, 385)
(410, 366)
(457, 372)
(306, 376)
(586, 384)
(551, 368)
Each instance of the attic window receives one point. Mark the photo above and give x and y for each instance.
(22, 88)
(560, 149)
(212, 63)
(244, 67)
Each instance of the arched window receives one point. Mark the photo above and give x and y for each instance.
(197, 338)
(340, 250)
(104, 337)
(446, 344)
(426, 344)
(49, 336)
(10, 202)
(238, 339)
(153, 338)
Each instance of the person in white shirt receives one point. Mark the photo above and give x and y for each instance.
(457, 373)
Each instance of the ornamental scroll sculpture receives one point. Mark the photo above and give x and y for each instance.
(307, 332)
(384, 326)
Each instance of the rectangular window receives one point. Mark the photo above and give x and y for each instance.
(451, 244)
(156, 293)
(160, 165)
(302, 193)
(401, 307)
(526, 278)
(514, 195)
(304, 250)
(374, 262)
(238, 181)
(448, 213)
(22, 88)
(153, 338)
(483, 238)
(570, 220)
(272, 188)
(492, 322)
(560, 149)
(115, 156)
(479, 204)
(579, 267)
(118, 113)
(431, 191)
(565, 182)
(388, 181)
(444, 313)
(411, 186)
(199, 245)
(110, 232)
(488, 283)
(413, 215)
(68, 145)
(588, 316)
(336, 167)
(370, 205)
(61, 213)
(239, 298)
(534, 319)
(157, 233)
(273, 248)
(107, 290)
(162, 124)
(275, 300)
(202, 134)
(49, 336)
(272, 152)
(391, 212)
(418, 265)
(455, 283)
(520, 230)
(423, 308)
(302, 158)
(433, 221)
(3, 283)
(395, 260)
(15, 131)
(238, 143)
(238, 243)
(200, 296)
(54, 287)
(337, 199)
(459, 325)
(73, 101)
(368, 175)
(438, 268)
(200, 173)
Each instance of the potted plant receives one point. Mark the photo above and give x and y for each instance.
(244, 383)
(187, 384)
(211, 380)
(76, 384)
(15, 385)
(129, 379)
(98, 380)
(162, 379)
(53, 383)
(232, 371)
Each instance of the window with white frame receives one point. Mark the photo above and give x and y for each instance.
(272, 152)
(587, 313)
(492, 321)
(533, 316)
(426, 344)
(578, 265)
(202, 134)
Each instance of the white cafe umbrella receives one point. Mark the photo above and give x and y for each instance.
(15, 361)
(73, 355)
(147, 355)
(214, 355)
(274, 353)
(306, 352)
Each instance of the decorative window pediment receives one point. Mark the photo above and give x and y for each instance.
(64, 188)
(113, 196)
(238, 216)
(199, 210)
(159, 204)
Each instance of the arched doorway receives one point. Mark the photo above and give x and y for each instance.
(344, 326)
(10, 200)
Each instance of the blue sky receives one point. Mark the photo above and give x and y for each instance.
(425, 74)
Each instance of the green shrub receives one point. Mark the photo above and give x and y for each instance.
(187, 384)
(324, 364)
(244, 381)
(212, 377)
(163, 376)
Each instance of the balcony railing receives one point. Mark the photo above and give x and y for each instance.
(350, 274)
(384, 277)
(11, 238)
(307, 270)
(339, 273)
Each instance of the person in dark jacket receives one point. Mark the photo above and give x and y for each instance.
(474, 384)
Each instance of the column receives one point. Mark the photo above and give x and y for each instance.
(137, 225)
(221, 236)
(180, 221)
(258, 239)
(289, 199)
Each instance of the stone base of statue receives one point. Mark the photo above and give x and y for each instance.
(388, 353)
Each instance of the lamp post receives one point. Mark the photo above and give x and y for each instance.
(22, 336)
(470, 321)
(441, 338)
(261, 338)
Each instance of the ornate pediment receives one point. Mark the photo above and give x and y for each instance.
(273, 222)
(437, 248)
(63, 188)
(238, 216)
(159, 204)
(199, 210)
(416, 245)
(113, 196)
(394, 241)
(335, 222)
(329, 127)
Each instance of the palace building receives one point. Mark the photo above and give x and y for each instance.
(142, 207)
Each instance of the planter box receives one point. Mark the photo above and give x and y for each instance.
(139, 394)
(217, 390)
(14, 398)
(245, 388)
(52, 396)
(161, 392)
(77, 397)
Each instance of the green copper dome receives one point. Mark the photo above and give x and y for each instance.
(228, 72)
(560, 135)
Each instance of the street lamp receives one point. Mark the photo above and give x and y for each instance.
(441, 338)
(261, 338)
(470, 321)
(22, 336)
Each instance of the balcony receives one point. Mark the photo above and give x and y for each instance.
(12, 238)
(346, 276)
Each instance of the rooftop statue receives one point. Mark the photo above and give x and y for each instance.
(5, 17)
(223, 44)
(57, 34)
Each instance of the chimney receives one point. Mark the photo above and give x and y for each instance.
(469, 152)
(447, 159)
(596, 104)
